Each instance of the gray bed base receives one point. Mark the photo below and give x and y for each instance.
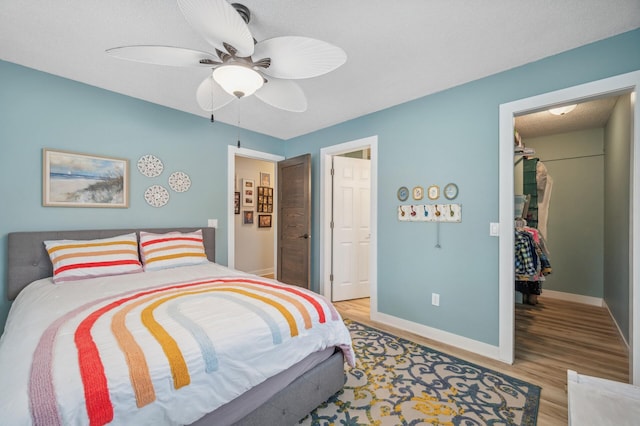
(28, 261)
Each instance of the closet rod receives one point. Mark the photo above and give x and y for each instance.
(572, 158)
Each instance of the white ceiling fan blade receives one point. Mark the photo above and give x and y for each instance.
(218, 22)
(211, 96)
(163, 55)
(283, 94)
(299, 57)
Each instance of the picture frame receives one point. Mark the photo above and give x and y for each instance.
(265, 199)
(265, 179)
(247, 217)
(418, 193)
(72, 179)
(433, 192)
(236, 203)
(248, 193)
(264, 221)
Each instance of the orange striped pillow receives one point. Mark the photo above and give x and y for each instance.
(80, 259)
(161, 251)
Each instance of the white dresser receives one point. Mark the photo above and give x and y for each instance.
(601, 402)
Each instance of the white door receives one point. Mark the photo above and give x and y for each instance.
(351, 228)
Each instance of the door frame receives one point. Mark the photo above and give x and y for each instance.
(326, 154)
(624, 83)
(232, 152)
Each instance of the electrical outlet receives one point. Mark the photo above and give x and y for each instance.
(212, 223)
(435, 299)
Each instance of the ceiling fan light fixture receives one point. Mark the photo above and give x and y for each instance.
(563, 110)
(238, 80)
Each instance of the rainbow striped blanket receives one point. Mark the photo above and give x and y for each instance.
(162, 347)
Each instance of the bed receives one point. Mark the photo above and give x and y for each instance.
(62, 358)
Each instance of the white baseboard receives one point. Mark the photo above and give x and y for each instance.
(441, 336)
(587, 300)
(571, 297)
(617, 326)
(261, 272)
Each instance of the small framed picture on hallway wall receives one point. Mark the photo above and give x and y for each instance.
(248, 193)
(264, 221)
(247, 217)
(265, 179)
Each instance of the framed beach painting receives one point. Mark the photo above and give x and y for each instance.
(72, 179)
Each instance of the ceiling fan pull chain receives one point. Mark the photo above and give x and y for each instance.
(238, 114)
(212, 119)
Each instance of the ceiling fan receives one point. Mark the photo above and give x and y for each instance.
(241, 66)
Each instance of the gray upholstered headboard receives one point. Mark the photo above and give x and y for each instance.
(28, 260)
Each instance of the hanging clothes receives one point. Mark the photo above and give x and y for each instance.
(531, 263)
(544, 184)
(530, 187)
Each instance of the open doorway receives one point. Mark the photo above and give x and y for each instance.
(251, 232)
(627, 83)
(346, 152)
(562, 164)
(254, 216)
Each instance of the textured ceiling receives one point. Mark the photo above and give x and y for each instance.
(587, 115)
(397, 50)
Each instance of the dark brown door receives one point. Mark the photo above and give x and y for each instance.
(294, 221)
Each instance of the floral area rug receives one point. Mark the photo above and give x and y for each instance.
(399, 382)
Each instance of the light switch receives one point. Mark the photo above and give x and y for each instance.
(435, 299)
(212, 223)
(494, 229)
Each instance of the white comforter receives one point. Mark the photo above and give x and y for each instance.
(162, 347)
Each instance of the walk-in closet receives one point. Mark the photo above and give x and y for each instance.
(572, 199)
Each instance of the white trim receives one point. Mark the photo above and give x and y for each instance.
(445, 337)
(262, 272)
(585, 300)
(232, 151)
(572, 297)
(604, 305)
(326, 154)
(618, 84)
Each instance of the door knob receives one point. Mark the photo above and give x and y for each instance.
(305, 236)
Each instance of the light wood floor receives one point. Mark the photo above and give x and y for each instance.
(551, 337)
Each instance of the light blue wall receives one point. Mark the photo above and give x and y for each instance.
(452, 136)
(617, 217)
(575, 229)
(39, 110)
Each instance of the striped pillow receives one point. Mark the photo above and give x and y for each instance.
(79, 259)
(161, 251)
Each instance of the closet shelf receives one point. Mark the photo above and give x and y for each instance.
(520, 150)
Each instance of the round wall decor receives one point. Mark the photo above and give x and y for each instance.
(179, 181)
(403, 193)
(150, 165)
(451, 191)
(156, 195)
